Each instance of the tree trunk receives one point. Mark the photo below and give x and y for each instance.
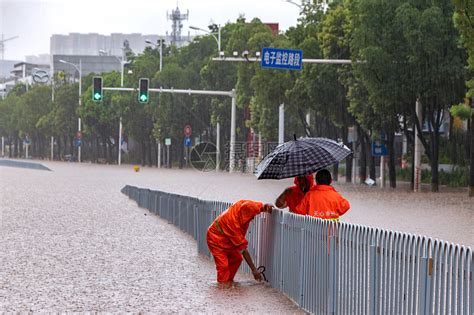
(15, 153)
(435, 161)
(149, 153)
(71, 142)
(58, 140)
(110, 150)
(20, 147)
(349, 164)
(104, 148)
(391, 160)
(335, 172)
(143, 153)
(181, 156)
(10, 151)
(372, 169)
(363, 156)
(471, 176)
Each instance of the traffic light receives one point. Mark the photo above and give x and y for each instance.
(143, 91)
(97, 94)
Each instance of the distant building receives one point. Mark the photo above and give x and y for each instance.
(89, 64)
(274, 27)
(24, 72)
(6, 66)
(93, 44)
(42, 59)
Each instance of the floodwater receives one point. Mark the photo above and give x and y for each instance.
(70, 241)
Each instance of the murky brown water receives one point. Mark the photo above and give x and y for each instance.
(70, 241)
(447, 216)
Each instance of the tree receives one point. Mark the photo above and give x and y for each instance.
(464, 21)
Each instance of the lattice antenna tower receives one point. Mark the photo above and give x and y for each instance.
(176, 23)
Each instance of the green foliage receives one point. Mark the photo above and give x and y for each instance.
(402, 50)
(458, 178)
(461, 110)
(464, 21)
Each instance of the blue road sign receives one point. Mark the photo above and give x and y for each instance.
(188, 142)
(282, 58)
(379, 149)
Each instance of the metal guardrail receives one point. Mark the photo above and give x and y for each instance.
(337, 268)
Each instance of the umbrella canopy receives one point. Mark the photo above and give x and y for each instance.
(301, 157)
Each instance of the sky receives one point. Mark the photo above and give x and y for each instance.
(34, 21)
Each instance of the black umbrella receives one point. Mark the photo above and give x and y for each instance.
(301, 157)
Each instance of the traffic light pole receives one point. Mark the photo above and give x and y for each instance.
(230, 94)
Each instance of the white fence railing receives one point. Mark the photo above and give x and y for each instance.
(337, 268)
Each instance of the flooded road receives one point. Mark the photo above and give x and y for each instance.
(70, 241)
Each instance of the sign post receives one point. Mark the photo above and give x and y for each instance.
(380, 149)
(168, 144)
(187, 142)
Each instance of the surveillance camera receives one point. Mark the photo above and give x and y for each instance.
(257, 54)
(235, 53)
(221, 54)
(245, 53)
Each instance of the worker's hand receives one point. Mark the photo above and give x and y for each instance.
(267, 208)
(257, 275)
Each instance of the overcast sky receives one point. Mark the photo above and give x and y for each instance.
(34, 21)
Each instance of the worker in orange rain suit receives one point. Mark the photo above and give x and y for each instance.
(292, 196)
(226, 238)
(323, 201)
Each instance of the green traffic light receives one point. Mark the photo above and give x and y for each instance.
(97, 96)
(143, 98)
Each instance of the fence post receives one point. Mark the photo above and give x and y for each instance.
(373, 279)
(425, 285)
(332, 272)
(282, 223)
(302, 259)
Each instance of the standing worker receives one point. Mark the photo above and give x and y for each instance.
(226, 238)
(323, 201)
(292, 196)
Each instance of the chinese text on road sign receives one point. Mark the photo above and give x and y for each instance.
(282, 58)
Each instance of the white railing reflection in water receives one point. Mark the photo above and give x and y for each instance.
(337, 268)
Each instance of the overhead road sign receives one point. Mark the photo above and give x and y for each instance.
(278, 58)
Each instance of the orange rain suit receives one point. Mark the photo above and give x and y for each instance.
(324, 202)
(226, 237)
(294, 198)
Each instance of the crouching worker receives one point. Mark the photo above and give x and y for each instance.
(226, 238)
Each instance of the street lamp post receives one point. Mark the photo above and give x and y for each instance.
(218, 38)
(122, 66)
(158, 162)
(79, 69)
(161, 50)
